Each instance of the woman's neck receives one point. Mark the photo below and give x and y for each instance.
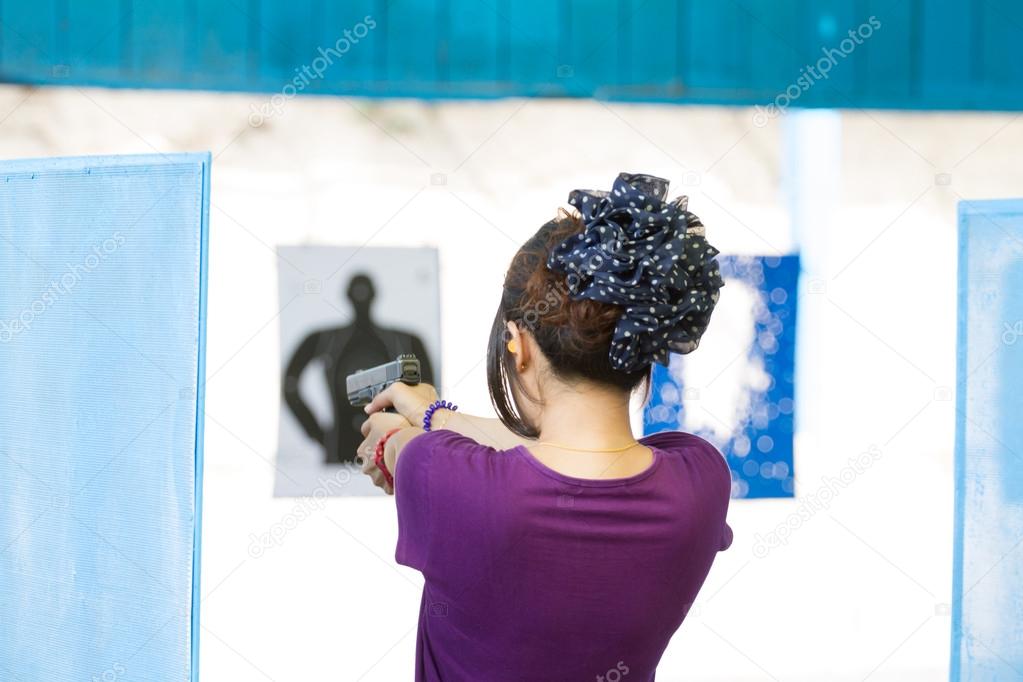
(586, 417)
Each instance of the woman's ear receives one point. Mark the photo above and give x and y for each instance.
(518, 345)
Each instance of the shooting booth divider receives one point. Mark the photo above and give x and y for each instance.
(987, 590)
(102, 327)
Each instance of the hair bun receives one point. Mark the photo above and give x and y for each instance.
(649, 255)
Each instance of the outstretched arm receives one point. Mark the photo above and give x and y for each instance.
(411, 403)
(299, 361)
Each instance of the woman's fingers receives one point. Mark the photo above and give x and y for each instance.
(365, 452)
(403, 398)
(379, 423)
(373, 430)
(374, 425)
(367, 449)
(382, 400)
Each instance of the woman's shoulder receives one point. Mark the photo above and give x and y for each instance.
(679, 441)
(451, 448)
(449, 464)
(689, 447)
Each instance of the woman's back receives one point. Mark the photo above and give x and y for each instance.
(535, 575)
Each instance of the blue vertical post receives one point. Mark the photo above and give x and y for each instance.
(811, 183)
(987, 599)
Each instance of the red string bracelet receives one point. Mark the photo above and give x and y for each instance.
(378, 457)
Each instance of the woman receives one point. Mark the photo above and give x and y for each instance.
(554, 545)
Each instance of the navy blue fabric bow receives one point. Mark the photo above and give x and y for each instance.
(649, 255)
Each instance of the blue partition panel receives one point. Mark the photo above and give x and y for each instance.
(102, 308)
(987, 606)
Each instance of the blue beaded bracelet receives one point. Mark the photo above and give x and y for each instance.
(434, 406)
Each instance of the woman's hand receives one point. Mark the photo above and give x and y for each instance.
(410, 401)
(374, 428)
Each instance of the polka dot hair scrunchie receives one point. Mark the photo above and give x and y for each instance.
(648, 255)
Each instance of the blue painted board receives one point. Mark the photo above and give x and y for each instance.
(345, 64)
(227, 43)
(999, 51)
(161, 40)
(102, 327)
(888, 62)
(820, 47)
(720, 42)
(470, 46)
(414, 30)
(28, 46)
(539, 56)
(655, 67)
(938, 54)
(595, 37)
(284, 39)
(987, 592)
(93, 32)
(770, 34)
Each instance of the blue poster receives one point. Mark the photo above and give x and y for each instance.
(737, 389)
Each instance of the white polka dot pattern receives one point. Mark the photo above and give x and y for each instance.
(648, 255)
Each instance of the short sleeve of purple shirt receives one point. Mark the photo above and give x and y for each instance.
(534, 575)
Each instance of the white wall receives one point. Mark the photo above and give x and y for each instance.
(859, 591)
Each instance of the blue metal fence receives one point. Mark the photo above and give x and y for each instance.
(939, 54)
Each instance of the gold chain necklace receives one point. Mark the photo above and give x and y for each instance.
(568, 447)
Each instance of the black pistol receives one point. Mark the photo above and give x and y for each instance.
(365, 384)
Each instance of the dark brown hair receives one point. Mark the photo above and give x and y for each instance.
(574, 335)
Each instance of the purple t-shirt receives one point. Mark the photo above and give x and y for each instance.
(532, 575)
